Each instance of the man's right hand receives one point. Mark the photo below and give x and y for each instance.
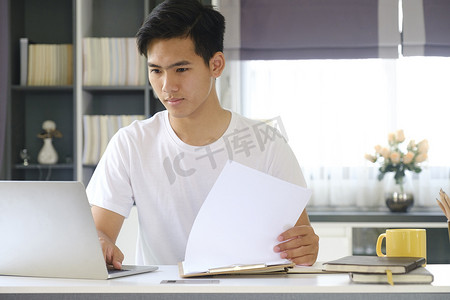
(108, 224)
(112, 254)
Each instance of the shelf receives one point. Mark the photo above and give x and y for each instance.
(41, 166)
(89, 166)
(374, 215)
(114, 88)
(65, 88)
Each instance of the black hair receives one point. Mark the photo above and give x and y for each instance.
(184, 19)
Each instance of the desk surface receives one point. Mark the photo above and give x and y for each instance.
(314, 286)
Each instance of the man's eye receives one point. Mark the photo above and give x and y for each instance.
(182, 69)
(156, 71)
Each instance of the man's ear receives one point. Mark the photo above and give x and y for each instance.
(217, 64)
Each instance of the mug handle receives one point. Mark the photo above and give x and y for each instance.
(379, 242)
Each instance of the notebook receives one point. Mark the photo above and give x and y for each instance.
(374, 264)
(47, 230)
(419, 275)
(388, 266)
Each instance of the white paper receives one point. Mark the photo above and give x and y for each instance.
(241, 218)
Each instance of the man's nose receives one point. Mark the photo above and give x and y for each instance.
(170, 84)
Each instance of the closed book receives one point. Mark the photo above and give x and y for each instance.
(24, 61)
(87, 61)
(87, 137)
(131, 62)
(374, 264)
(103, 134)
(32, 64)
(95, 132)
(122, 64)
(419, 275)
(253, 269)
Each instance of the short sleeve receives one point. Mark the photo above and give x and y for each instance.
(110, 186)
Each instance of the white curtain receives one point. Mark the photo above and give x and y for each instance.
(335, 111)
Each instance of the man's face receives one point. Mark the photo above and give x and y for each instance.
(179, 76)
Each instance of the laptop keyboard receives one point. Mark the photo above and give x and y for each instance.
(114, 271)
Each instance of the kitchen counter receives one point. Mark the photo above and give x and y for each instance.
(375, 214)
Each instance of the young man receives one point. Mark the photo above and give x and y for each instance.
(167, 164)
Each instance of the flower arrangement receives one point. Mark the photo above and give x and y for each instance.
(397, 160)
(49, 130)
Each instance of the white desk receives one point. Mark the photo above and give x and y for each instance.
(148, 286)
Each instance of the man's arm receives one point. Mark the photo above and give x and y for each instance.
(108, 226)
(300, 244)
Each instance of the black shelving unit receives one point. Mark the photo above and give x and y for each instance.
(67, 22)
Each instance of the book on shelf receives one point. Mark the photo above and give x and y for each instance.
(374, 264)
(24, 61)
(112, 62)
(45, 64)
(419, 275)
(98, 131)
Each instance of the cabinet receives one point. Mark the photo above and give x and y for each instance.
(68, 22)
(342, 239)
(355, 232)
(46, 22)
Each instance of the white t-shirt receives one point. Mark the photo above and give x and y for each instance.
(148, 165)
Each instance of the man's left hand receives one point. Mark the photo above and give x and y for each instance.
(299, 244)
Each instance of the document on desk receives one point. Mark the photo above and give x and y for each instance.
(239, 222)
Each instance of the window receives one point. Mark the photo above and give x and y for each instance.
(335, 111)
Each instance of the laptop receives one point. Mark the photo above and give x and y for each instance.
(47, 230)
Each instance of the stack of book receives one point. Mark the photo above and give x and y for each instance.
(45, 64)
(98, 130)
(374, 269)
(112, 62)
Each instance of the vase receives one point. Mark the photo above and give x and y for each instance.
(48, 154)
(398, 193)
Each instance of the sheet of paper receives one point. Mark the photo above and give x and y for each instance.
(241, 218)
(317, 267)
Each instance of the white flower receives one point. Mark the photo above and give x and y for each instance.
(378, 149)
(395, 157)
(391, 138)
(385, 152)
(370, 158)
(408, 157)
(421, 157)
(400, 136)
(422, 146)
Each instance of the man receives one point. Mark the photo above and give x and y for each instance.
(167, 164)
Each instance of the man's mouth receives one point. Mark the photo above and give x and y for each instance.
(174, 100)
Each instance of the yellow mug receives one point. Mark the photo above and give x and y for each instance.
(403, 242)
